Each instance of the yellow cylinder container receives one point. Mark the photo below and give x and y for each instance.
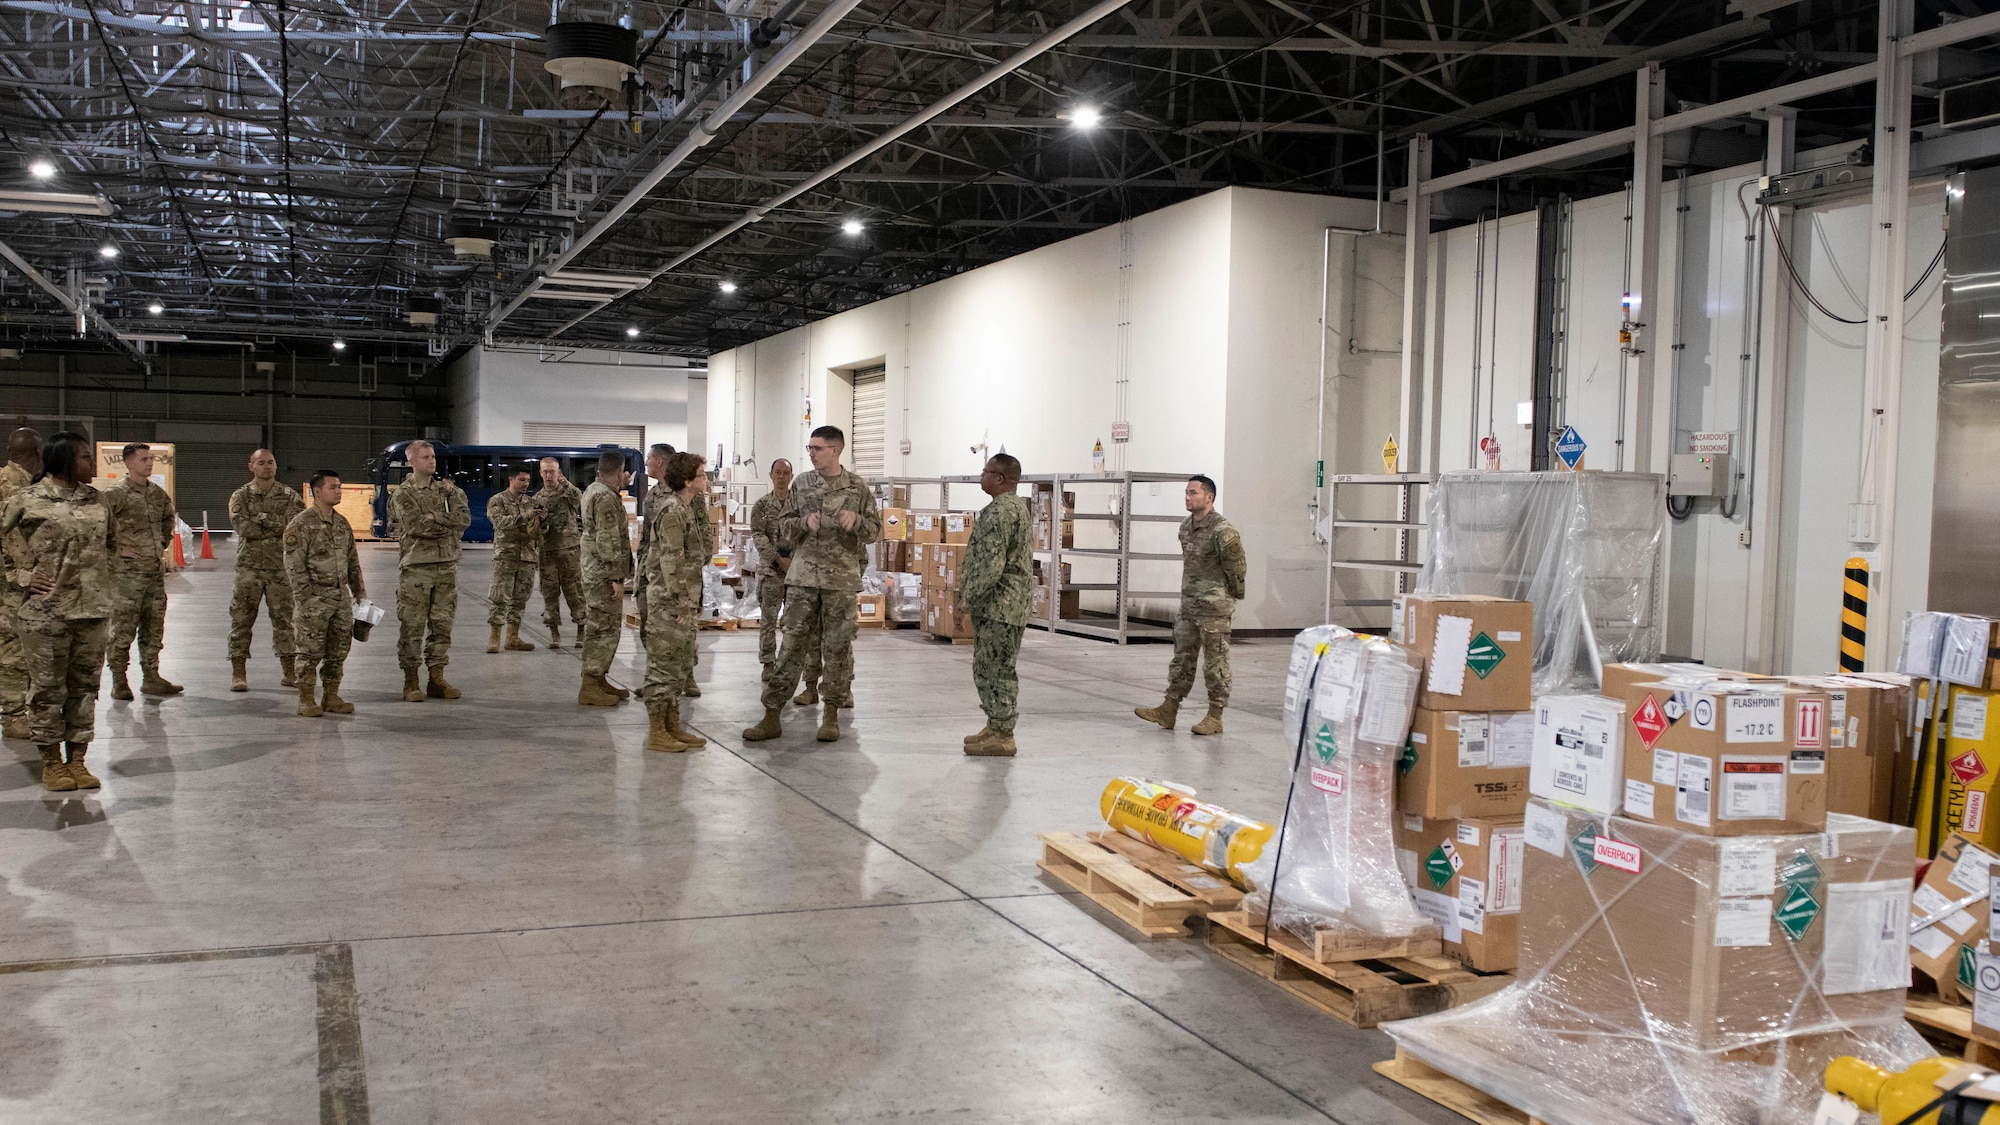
(1896, 1095)
(1168, 817)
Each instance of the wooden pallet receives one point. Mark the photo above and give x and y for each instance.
(1955, 1021)
(1363, 990)
(1412, 1073)
(726, 624)
(948, 640)
(1141, 900)
(1215, 892)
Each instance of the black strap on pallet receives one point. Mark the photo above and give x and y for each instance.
(1284, 822)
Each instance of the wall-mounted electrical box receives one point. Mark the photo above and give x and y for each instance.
(1699, 474)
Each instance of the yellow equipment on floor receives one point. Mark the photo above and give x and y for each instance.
(1910, 1097)
(1167, 816)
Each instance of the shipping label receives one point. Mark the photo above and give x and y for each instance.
(1968, 715)
(1328, 780)
(1545, 828)
(1742, 922)
(1865, 928)
(1639, 799)
(1469, 834)
(1809, 761)
(1503, 871)
(1616, 853)
(1471, 905)
(1693, 790)
(1810, 724)
(1513, 739)
(1473, 741)
(1753, 717)
(1746, 867)
(1752, 789)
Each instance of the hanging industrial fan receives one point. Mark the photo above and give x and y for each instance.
(593, 61)
(470, 235)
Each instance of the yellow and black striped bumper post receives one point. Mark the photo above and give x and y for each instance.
(1854, 617)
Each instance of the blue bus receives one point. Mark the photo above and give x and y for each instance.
(482, 470)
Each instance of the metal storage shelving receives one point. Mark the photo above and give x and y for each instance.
(1407, 525)
(1117, 626)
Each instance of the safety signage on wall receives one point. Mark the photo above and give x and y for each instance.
(1570, 447)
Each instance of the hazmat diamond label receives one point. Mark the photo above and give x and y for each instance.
(1801, 870)
(1650, 722)
(1438, 866)
(1795, 915)
(1483, 655)
(1968, 767)
(1968, 965)
(1584, 846)
(1324, 746)
(1407, 760)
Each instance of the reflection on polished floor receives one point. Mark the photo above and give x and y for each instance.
(502, 909)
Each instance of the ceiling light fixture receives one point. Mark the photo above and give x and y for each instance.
(727, 287)
(107, 252)
(53, 202)
(851, 226)
(42, 170)
(156, 308)
(633, 332)
(1085, 117)
(340, 345)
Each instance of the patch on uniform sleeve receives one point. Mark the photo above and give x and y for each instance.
(291, 538)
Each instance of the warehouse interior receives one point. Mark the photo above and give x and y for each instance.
(1626, 762)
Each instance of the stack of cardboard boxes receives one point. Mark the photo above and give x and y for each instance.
(937, 553)
(1464, 775)
(1040, 506)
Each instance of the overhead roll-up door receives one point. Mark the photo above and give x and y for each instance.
(583, 435)
(871, 421)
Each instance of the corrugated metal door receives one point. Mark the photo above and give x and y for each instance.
(871, 421)
(583, 435)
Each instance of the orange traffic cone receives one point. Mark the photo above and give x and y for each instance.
(207, 552)
(180, 556)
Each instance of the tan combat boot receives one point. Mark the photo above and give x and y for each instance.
(330, 701)
(308, 706)
(239, 677)
(493, 638)
(83, 778)
(658, 737)
(514, 643)
(1213, 723)
(981, 735)
(286, 678)
(595, 692)
(692, 691)
(997, 746)
(769, 728)
(1165, 714)
(829, 723)
(119, 688)
(439, 687)
(614, 689)
(847, 702)
(413, 692)
(155, 684)
(555, 636)
(55, 775)
(15, 727)
(689, 740)
(808, 697)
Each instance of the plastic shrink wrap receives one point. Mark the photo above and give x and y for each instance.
(1674, 979)
(1584, 547)
(1348, 701)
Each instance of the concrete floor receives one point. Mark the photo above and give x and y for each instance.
(504, 910)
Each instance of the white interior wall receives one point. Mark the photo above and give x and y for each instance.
(496, 389)
(1221, 355)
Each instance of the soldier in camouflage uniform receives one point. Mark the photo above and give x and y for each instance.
(773, 556)
(24, 462)
(994, 586)
(517, 548)
(1212, 574)
(429, 515)
(142, 516)
(66, 607)
(701, 535)
(561, 558)
(658, 456)
(830, 523)
(607, 561)
(324, 570)
(668, 627)
(260, 511)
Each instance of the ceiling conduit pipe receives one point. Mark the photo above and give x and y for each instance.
(703, 132)
(995, 73)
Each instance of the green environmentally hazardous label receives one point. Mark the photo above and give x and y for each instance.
(1324, 746)
(1584, 845)
(1801, 871)
(1797, 912)
(1438, 866)
(1968, 965)
(1483, 656)
(1407, 760)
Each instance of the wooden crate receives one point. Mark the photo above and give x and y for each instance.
(1136, 897)
(1363, 990)
(1412, 1073)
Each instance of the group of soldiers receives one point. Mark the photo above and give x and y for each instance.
(84, 580)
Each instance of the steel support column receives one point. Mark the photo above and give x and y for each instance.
(1645, 303)
(1874, 518)
(1416, 290)
(1764, 646)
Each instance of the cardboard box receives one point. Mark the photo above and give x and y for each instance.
(917, 558)
(1709, 943)
(1466, 764)
(1069, 606)
(1945, 949)
(1477, 653)
(1867, 728)
(1727, 758)
(1579, 752)
(895, 524)
(942, 562)
(942, 617)
(1969, 751)
(958, 526)
(1466, 875)
(926, 526)
(1042, 535)
(1618, 678)
(891, 556)
(872, 610)
(1041, 574)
